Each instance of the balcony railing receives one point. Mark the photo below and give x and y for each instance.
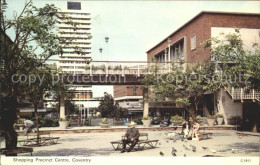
(243, 93)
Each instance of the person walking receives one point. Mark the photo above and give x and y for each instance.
(131, 136)
(29, 125)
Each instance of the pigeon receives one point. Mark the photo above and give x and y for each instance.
(173, 154)
(204, 148)
(161, 153)
(186, 148)
(213, 151)
(193, 148)
(173, 149)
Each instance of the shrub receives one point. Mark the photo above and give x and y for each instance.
(87, 122)
(104, 121)
(199, 118)
(234, 120)
(138, 120)
(177, 118)
(219, 115)
(20, 121)
(211, 117)
(147, 118)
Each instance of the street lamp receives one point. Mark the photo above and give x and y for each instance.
(106, 39)
(100, 50)
(169, 48)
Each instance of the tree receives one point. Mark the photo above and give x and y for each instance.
(235, 61)
(186, 83)
(41, 85)
(35, 41)
(109, 108)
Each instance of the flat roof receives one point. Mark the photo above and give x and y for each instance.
(198, 15)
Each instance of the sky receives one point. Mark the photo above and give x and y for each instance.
(133, 27)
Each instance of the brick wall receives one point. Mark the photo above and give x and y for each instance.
(201, 27)
(127, 90)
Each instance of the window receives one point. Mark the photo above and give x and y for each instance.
(193, 42)
(74, 5)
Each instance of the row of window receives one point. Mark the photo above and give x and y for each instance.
(75, 13)
(177, 50)
(81, 53)
(71, 48)
(80, 18)
(78, 38)
(77, 33)
(78, 43)
(72, 62)
(72, 67)
(74, 57)
(74, 28)
(67, 23)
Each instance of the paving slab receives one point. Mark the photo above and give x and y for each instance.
(223, 143)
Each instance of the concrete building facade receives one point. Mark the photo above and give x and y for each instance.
(130, 97)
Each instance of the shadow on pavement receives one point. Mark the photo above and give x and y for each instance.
(242, 147)
(76, 152)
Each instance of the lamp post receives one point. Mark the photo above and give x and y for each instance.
(169, 49)
(100, 50)
(106, 39)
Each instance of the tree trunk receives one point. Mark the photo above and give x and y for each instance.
(36, 122)
(9, 118)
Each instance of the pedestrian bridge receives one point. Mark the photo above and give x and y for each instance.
(110, 72)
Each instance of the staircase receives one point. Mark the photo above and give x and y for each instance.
(241, 94)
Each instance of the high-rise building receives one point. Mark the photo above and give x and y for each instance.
(76, 54)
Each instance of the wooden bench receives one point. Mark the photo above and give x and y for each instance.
(42, 140)
(206, 135)
(142, 142)
(18, 150)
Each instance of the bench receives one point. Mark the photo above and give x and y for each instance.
(142, 142)
(42, 140)
(18, 150)
(206, 135)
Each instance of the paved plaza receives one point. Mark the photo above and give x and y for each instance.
(222, 143)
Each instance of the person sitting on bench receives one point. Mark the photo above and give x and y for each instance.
(195, 128)
(131, 136)
(186, 129)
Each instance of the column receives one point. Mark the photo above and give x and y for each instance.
(62, 106)
(169, 53)
(165, 55)
(145, 102)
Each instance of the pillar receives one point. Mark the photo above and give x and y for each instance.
(165, 56)
(62, 106)
(145, 102)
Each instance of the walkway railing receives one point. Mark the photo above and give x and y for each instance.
(241, 94)
(114, 67)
